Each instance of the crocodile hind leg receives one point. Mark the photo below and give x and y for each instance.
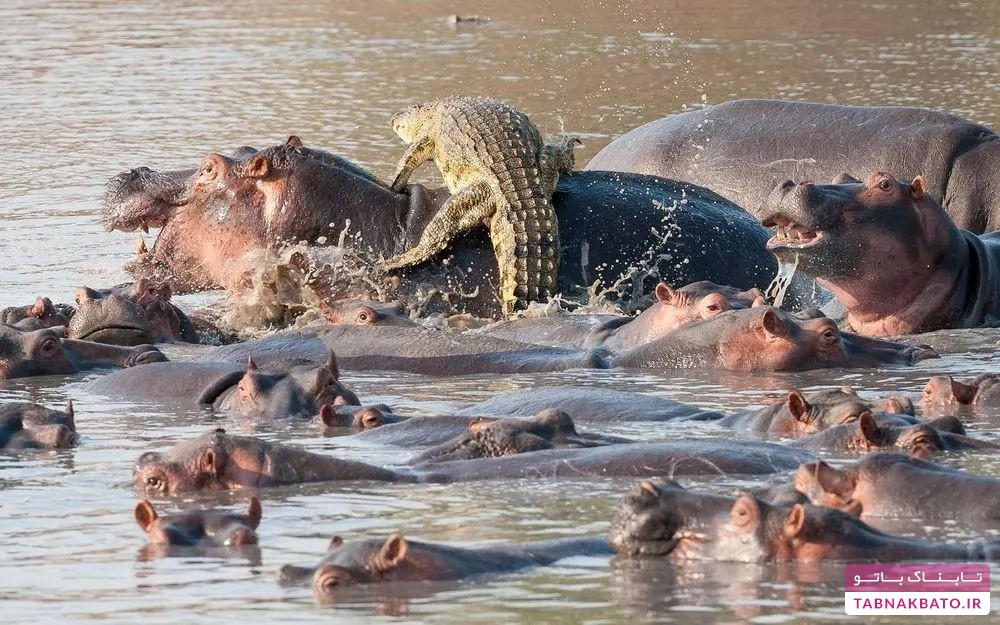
(470, 207)
(416, 154)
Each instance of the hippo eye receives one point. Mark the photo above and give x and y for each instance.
(884, 185)
(363, 317)
(49, 346)
(713, 308)
(830, 335)
(154, 482)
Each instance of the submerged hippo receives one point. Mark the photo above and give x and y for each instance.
(298, 390)
(25, 425)
(350, 312)
(668, 521)
(609, 224)
(741, 149)
(671, 309)
(131, 315)
(200, 528)
(765, 338)
(894, 485)
(946, 392)
(888, 252)
(42, 314)
(42, 352)
(867, 433)
(801, 413)
(397, 559)
(218, 461)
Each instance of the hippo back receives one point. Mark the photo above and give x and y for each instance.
(742, 149)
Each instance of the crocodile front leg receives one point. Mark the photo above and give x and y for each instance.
(470, 207)
(417, 153)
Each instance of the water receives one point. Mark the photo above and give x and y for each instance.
(90, 88)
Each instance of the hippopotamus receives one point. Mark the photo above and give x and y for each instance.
(357, 417)
(397, 559)
(894, 485)
(42, 314)
(614, 228)
(131, 315)
(492, 438)
(200, 528)
(668, 521)
(920, 440)
(297, 390)
(367, 313)
(741, 149)
(943, 391)
(800, 414)
(888, 252)
(42, 352)
(765, 338)
(588, 405)
(218, 461)
(671, 309)
(26, 425)
(756, 339)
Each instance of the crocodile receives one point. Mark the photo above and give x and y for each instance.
(500, 174)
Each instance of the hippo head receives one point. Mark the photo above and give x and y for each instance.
(362, 562)
(669, 521)
(367, 314)
(765, 338)
(842, 232)
(196, 464)
(41, 314)
(488, 438)
(27, 354)
(200, 528)
(920, 440)
(800, 413)
(141, 198)
(945, 391)
(111, 318)
(302, 391)
(357, 417)
(827, 486)
(41, 427)
(698, 300)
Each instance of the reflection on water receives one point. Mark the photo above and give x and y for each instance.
(90, 88)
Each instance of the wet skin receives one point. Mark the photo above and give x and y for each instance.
(949, 393)
(893, 485)
(888, 252)
(200, 528)
(766, 339)
(668, 521)
(42, 314)
(42, 352)
(230, 206)
(130, 315)
(32, 426)
(285, 391)
(397, 559)
(218, 461)
(367, 314)
(751, 145)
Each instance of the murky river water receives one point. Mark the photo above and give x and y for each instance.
(90, 88)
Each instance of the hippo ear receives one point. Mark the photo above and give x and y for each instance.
(40, 307)
(257, 167)
(917, 189)
(293, 141)
(333, 366)
(140, 246)
(833, 481)
(145, 515)
(70, 415)
(844, 178)
(391, 553)
(251, 365)
(254, 512)
(746, 512)
(479, 424)
(773, 324)
(647, 489)
(847, 390)
(874, 436)
(796, 521)
(665, 294)
(329, 417)
(335, 542)
(798, 406)
(964, 393)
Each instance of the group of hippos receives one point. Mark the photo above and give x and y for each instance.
(899, 253)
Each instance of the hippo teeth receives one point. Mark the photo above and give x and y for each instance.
(793, 235)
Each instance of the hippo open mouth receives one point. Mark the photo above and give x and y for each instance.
(791, 235)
